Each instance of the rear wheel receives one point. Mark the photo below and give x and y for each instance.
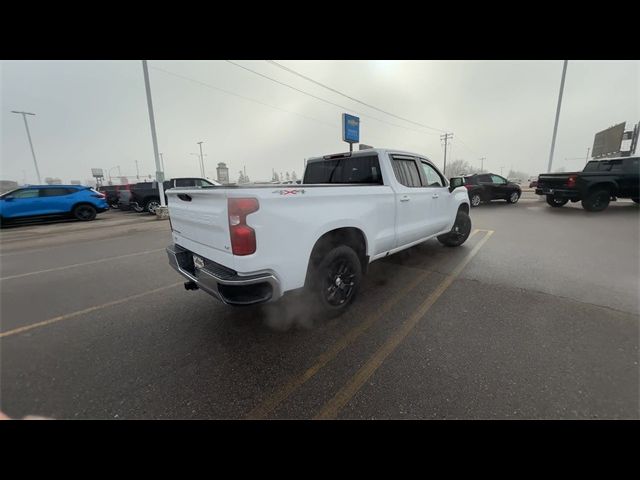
(475, 199)
(460, 231)
(556, 202)
(597, 200)
(336, 280)
(84, 213)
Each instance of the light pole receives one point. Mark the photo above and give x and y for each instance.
(201, 160)
(555, 126)
(26, 125)
(162, 162)
(162, 211)
(482, 164)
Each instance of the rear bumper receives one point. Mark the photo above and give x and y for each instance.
(223, 283)
(558, 192)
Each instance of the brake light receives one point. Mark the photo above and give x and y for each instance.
(571, 182)
(243, 237)
(468, 187)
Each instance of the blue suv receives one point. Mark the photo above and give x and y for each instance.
(76, 201)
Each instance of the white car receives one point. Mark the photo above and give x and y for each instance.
(252, 244)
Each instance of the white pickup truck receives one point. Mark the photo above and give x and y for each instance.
(251, 244)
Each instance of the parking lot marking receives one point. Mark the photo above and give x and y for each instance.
(267, 407)
(93, 262)
(15, 331)
(332, 407)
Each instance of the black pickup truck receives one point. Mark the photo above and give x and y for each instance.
(145, 196)
(600, 182)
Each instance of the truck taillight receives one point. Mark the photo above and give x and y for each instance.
(243, 237)
(469, 187)
(571, 182)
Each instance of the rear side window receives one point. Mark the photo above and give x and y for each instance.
(616, 166)
(185, 182)
(356, 169)
(484, 179)
(56, 192)
(406, 172)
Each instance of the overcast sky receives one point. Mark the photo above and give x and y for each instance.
(94, 113)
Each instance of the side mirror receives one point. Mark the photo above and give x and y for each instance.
(455, 182)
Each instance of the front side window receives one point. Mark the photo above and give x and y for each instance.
(432, 176)
(26, 193)
(498, 180)
(406, 172)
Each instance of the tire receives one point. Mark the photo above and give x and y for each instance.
(597, 200)
(636, 200)
(151, 205)
(475, 199)
(84, 212)
(459, 233)
(513, 197)
(556, 202)
(335, 281)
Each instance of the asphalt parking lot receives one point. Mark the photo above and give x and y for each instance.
(536, 316)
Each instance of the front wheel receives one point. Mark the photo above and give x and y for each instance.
(336, 281)
(556, 202)
(84, 213)
(460, 231)
(514, 197)
(475, 199)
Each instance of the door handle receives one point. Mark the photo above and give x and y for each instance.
(405, 198)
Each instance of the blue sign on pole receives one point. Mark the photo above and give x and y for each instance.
(350, 128)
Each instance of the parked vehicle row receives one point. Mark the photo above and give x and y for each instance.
(47, 201)
(485, 187)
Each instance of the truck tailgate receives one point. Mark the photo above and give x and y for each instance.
(200, 223)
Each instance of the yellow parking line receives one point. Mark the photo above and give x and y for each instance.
(93, 262)
(270, 404)
(332, 407)
(15, 331)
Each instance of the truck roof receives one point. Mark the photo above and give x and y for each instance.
(365, 152)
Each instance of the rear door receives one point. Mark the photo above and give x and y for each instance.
(56, 200)
(484, 180)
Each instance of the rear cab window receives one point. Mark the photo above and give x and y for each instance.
(364, 169)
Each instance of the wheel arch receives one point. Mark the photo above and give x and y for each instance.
(353, 237)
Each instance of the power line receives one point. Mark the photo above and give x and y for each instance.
(326, 101)
(350, 97)
(213, 87)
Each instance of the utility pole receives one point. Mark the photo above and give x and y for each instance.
(587, 159)
(482, 164)
(162, 212)
(501, 170)
(137, 171)
(555, 126)
(446, 138)
(26, 125)
(201, 160)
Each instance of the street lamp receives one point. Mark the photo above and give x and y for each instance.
(201, 159)
(201, 164)
(26, 125)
